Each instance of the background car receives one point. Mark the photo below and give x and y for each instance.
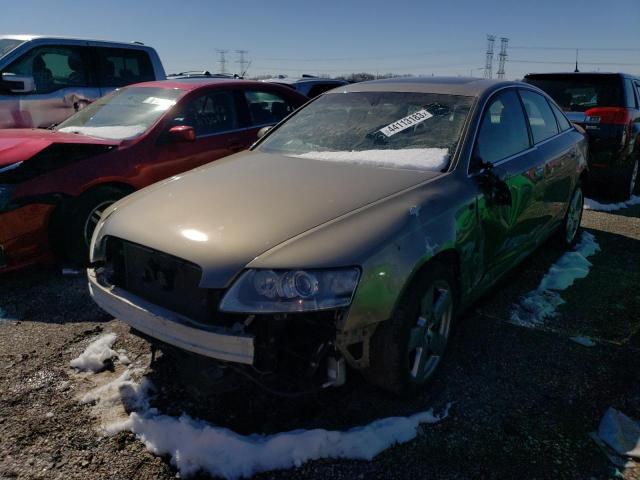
(308, 85)
(353, 232)
(44, 80)
(606, 106)
(54, 184)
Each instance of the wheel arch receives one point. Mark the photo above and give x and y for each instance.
(65, 206)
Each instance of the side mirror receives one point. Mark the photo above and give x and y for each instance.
(181, 134)
(263, 131)
(18, 83)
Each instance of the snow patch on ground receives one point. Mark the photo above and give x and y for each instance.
(541, 303)
(97, 353)
(590, 204)
(409, 158)
(195, 445)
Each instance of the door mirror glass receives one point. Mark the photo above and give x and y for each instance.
(18, 83)
(181, 134)
(263, 131)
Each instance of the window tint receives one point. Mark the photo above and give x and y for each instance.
(503, 131)
(52, 68)
(630, 97)
(562, 120)
(541, 119)
(119, 67)
(578, 93)
(267, 107)
(210, 113)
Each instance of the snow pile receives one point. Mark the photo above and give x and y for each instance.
(195, 445)
(97, 353)
(111, 132)
(409, 158)
(620, 433)
(590, 204)
(542, 302)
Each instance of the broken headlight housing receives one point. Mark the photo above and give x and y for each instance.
(284, 291)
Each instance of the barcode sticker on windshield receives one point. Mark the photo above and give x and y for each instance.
(406, 122)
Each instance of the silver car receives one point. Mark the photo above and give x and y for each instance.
(44, 80)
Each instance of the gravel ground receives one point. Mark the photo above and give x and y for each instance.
(525, 401)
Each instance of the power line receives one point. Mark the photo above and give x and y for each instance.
(244, 64)
(589, 49)
(557, 62)
(377, 57)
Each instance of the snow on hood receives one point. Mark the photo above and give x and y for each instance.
(410, 158)
(112, 132)
(541, 303)
(590, 204)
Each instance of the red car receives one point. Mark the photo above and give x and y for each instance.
(54, 184)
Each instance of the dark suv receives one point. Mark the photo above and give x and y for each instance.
(606, 106)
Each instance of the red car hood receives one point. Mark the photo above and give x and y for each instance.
(20, 144)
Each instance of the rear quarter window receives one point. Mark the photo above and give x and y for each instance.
(118, 67)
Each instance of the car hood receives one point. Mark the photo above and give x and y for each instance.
(225, 214)
(19, 144)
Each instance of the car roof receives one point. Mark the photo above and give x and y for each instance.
(579, 74)
(467, 86)
(291, 81)
(28, 37)
(188, 84)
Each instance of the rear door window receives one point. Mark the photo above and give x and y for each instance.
(503, 131)
(541, 119)
(118, 67)
(266, 108)
(210, 113)
(53, 67)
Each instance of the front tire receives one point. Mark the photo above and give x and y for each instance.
(83, 218)
(407, 349)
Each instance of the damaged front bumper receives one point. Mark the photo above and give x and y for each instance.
(170, 327)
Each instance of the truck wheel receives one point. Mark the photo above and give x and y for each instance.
(407, 349)
(83, 219)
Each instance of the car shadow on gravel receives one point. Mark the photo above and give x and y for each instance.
(45, 295)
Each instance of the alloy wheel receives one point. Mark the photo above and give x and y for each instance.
(428, 338)
(574, 216)
(92, 220)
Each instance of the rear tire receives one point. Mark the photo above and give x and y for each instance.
(84, 215)
(407, 349)
(626, 187)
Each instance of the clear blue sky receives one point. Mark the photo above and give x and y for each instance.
(334, 37)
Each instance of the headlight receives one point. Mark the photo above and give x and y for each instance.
(281, 291)
(6, 192)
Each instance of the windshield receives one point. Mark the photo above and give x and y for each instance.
(124, 114)
(578, 93)
(8, 44)
(387, 129)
